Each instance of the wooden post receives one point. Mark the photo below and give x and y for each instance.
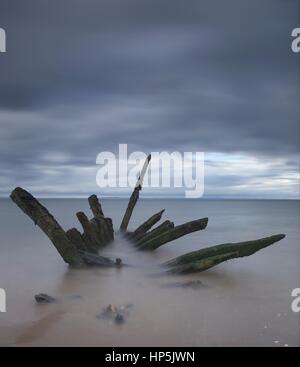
(162, 228)
(42, 218)
(143, 228)
(206, 258)
(173, 234)
(105, 225)
(134, 197)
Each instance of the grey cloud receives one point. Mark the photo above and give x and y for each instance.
(83, 76)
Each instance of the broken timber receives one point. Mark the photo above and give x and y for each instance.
(76, 250)
(165, 226)
(157, 240)
(134, 196)
(82, 249)
(204, 259)
(146, 226)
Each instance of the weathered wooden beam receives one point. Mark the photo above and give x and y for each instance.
(206, 258)
(134, 197)
(97, 260)
(76, 239)
(164, 227)
(48, 224)
(90, 259)
(175, 233)
(95, 206)
(148, 224)
(105, 225)
(90, 235)
(110, 227)
(101, 231)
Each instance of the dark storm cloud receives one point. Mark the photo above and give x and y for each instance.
(81, 77)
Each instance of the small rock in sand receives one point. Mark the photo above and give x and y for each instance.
(119, 262)
(119, 319)
(43, 298)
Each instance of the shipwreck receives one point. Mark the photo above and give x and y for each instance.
(83, 248)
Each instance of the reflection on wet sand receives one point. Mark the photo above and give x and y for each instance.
(37, 329)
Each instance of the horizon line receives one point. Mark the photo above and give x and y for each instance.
(85, 197)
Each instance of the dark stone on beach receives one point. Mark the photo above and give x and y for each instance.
(119, 262)
(119, 319)
(43, 298)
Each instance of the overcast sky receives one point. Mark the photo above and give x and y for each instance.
(82, 76)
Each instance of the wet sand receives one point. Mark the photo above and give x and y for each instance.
(246, 302)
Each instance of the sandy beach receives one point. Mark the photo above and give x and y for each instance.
(240, 303)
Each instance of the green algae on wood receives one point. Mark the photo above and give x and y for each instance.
(198, 261)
